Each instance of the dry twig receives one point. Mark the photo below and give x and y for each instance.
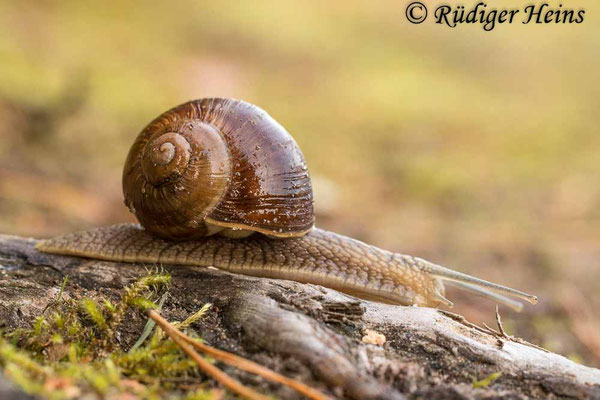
(236, 361)
(204, 365)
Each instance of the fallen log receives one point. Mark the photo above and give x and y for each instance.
(328, 340)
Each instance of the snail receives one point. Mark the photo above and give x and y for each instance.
(218, 182)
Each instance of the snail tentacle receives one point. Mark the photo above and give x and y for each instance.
(474, 284)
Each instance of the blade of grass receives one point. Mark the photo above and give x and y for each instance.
(149, 326)
(60, 294)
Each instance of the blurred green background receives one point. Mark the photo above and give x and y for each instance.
(477, 150)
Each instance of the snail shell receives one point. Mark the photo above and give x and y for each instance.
(218, 165)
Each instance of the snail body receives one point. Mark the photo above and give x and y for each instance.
(218, 182)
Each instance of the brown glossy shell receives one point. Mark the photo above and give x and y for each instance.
(218, 162)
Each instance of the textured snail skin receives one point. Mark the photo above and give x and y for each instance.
(320, 257)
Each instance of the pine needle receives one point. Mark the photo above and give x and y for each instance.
(250, 366)
(204, 365)
(240, 362)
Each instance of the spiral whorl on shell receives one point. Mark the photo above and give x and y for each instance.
(215, 165)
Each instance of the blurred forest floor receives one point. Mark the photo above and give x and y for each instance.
(476, 150)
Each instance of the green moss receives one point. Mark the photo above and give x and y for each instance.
(194, 317)
(73, 350)
(90, 307)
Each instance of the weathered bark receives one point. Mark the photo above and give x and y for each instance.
(308, 332)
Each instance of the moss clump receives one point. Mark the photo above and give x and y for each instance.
(72, 350)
